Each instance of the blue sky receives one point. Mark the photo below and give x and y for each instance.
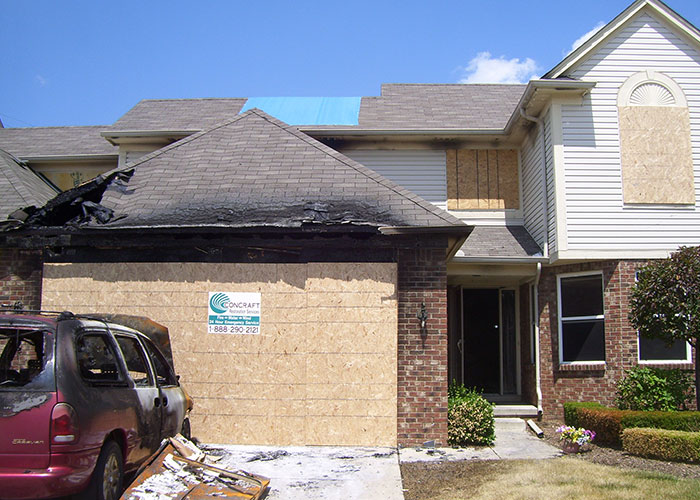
(87, 62)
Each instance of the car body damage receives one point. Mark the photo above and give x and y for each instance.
(17, 402)
(81, 397)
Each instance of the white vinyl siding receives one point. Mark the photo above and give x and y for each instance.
(423, 172)
(596, 217)
(531, 159)
(551, 184)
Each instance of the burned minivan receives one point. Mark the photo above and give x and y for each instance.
(83, 400)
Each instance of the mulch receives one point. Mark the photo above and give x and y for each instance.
(617, 457)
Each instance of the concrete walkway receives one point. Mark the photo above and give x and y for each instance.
(513, 441)
(318, 472)
(352, 473)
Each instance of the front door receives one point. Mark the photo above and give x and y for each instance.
(486, 353)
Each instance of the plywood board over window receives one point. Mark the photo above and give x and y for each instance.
(482, 179)
(655, 147)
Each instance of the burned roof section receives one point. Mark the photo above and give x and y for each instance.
(252, 171)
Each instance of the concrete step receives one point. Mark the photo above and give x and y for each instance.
(519, 411)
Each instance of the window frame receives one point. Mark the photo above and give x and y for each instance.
(669, 362)
(561, 321)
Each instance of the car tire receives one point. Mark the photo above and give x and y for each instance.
(186, 430)
(108, 476)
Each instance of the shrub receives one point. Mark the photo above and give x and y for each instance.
(469, 417)
(671, 420)
(606, 422)
(644, 388)
(662, 444)
(609, 423)
(571, 409)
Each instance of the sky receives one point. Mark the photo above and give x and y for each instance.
(80, 62)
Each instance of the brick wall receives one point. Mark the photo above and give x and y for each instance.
(422, 354)
(588, 383)
(20, 277)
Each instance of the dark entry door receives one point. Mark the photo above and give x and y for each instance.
(481, 341)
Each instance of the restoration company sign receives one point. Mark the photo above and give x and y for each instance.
(234, 312)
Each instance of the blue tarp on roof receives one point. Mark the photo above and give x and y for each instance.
(309, 110)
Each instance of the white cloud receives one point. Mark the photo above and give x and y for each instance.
(486, 69)
(43, 82)
(582, 39)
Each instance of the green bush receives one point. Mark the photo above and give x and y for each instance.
(609, 423)
(644, 388)
(571, 408)
(469, 417)
(662, 444)
(606, 422)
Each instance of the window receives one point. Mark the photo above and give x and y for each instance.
(656, 351)
(135, 361)
(655, 141)
(96, 359)
(581, 319)
(164, 375)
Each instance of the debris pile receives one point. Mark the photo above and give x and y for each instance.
(179, 470)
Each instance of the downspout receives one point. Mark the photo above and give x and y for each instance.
(535, 298)
(545, 253)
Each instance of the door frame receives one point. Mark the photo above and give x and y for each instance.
(461, 340)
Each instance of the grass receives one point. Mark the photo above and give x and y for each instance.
(562, 478)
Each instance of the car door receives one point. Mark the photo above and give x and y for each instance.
(172, 396)
(148, 400)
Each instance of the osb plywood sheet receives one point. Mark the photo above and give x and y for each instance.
(656, 155)
(480, 179)
(322, 371)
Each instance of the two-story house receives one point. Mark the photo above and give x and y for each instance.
(509, 271)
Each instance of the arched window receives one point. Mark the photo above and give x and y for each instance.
(655, 148)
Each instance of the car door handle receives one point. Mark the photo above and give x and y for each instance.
(156, 402)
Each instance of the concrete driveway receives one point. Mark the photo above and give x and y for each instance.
(318, 472)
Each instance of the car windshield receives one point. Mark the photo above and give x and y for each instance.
(24, 359)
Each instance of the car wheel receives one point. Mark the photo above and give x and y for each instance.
(186, 430)
(107, 478)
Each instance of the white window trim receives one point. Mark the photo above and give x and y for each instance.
(670, 362)
(574, 318)
(650, 76)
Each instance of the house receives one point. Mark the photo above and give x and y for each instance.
(487, 234)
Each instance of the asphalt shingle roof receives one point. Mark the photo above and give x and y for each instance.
(20, 187)
(500, 241)
(440, 106)
(59, 141)
(400, 106)
(255, 171)
(178, 114)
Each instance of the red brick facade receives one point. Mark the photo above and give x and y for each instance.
(20, 277)
(422, 353)
(562, 383)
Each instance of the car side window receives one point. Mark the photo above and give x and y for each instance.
(135, 360)
(97, 361)
(163, 373)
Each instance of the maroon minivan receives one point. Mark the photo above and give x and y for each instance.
(83, 400)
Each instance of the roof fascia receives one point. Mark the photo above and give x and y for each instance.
(145, 136)
(84, 157)
(606, 31)
(547, 87)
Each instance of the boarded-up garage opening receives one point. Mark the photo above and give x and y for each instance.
(322, 371)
